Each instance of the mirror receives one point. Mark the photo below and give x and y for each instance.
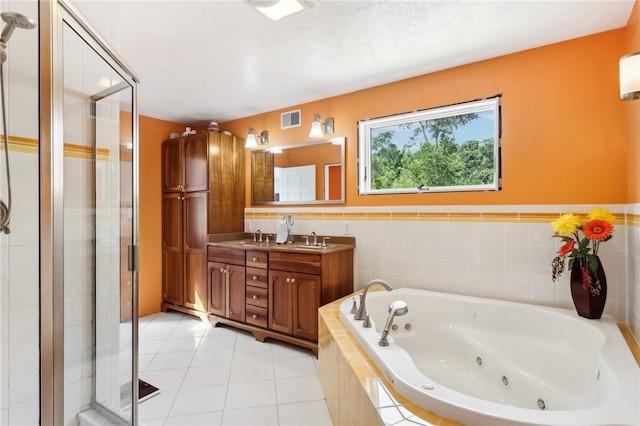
(305, 173)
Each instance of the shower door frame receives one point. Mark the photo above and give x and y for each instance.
(52, 16)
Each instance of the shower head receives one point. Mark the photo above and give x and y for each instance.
(14, 20)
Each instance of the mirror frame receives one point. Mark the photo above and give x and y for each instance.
(336, 141)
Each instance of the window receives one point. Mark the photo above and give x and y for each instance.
(450, 148)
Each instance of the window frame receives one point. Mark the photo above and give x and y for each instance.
(366, 126)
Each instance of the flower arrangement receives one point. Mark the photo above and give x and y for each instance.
(598, 228)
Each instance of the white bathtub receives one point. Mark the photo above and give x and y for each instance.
(488, 362)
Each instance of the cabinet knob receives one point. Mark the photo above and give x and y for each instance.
(254, 316)
(254, 259)
(288, 280)
(293, 280)
(255, 277)
(255, 296)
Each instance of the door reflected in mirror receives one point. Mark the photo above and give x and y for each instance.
(305, 173)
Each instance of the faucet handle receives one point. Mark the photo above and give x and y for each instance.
(324, 241)
(306, 237)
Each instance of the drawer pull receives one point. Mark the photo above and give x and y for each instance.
(255, 296)
(254, 259)
(255, 277)
(254, 316)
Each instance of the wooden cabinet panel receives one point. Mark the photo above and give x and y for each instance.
(172, 255)
(226, 255)
(217, 289)
(306, 263)
(280, 308)
(306, 301)
(226, 183)
(195, 250)
(196, 170)
(236, 292)
(172, 169)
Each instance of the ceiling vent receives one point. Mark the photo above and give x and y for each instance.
(290, 119)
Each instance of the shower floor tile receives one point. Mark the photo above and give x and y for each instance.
(222, 376)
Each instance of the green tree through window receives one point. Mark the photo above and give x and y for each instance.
(444, 149)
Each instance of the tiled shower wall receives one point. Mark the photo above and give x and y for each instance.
(19, 251)
(499, 252)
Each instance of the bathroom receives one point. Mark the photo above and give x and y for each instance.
(560, 108)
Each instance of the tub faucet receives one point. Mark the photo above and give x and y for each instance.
(396, 309)
(362, 310)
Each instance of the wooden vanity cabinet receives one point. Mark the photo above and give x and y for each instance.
(226, 273)
(276, 293)
(202, 193)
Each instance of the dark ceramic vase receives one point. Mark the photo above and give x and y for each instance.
(588, 305)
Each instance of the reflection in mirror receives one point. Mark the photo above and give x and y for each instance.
(306, 173)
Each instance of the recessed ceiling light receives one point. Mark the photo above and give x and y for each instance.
(278, 9)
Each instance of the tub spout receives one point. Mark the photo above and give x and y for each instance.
(396, 309)
(362, 310)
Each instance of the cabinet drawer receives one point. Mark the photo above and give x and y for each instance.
(257, 296)
(225, 255)
(257, 277)
(257, 259)
(306, 263)
(256, 316)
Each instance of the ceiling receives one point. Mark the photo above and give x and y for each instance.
(199, 61)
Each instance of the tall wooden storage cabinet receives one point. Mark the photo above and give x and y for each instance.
(203, 193)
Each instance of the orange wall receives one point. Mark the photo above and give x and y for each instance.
(564, 127)
(151, 134)
(633, 112)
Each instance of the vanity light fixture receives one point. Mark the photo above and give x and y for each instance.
(630, 77)
(252, 142)
(319, 125)
(278, 9)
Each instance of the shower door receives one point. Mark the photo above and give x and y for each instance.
(100, 314)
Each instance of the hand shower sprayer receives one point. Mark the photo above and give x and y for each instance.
(13, 20)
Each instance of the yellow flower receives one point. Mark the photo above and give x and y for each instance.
(566, 224)
(600, 213)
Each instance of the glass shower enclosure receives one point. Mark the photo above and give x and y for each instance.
(88, 226)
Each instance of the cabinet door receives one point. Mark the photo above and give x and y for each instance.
(280, 309)
(217, 289)
(172, 254)
(236, 292)
(306, 301)
(196, 177)
(195, 250)
(172, 171)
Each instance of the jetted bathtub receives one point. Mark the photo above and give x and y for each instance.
(488, 362)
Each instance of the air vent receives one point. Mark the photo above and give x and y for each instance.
(290, 119)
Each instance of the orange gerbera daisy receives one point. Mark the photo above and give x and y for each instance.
(597, 229)
(566, 248)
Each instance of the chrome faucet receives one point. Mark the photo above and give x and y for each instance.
(259, 234)
(396, 309)
(362, 310)
(315, 238)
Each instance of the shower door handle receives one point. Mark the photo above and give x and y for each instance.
(133, 257)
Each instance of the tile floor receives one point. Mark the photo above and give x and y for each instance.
(222, 376)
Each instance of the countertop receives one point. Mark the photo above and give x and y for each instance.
(244, 241)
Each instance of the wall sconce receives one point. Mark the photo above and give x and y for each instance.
(630, 77)
(251, 141)
(318, 125)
